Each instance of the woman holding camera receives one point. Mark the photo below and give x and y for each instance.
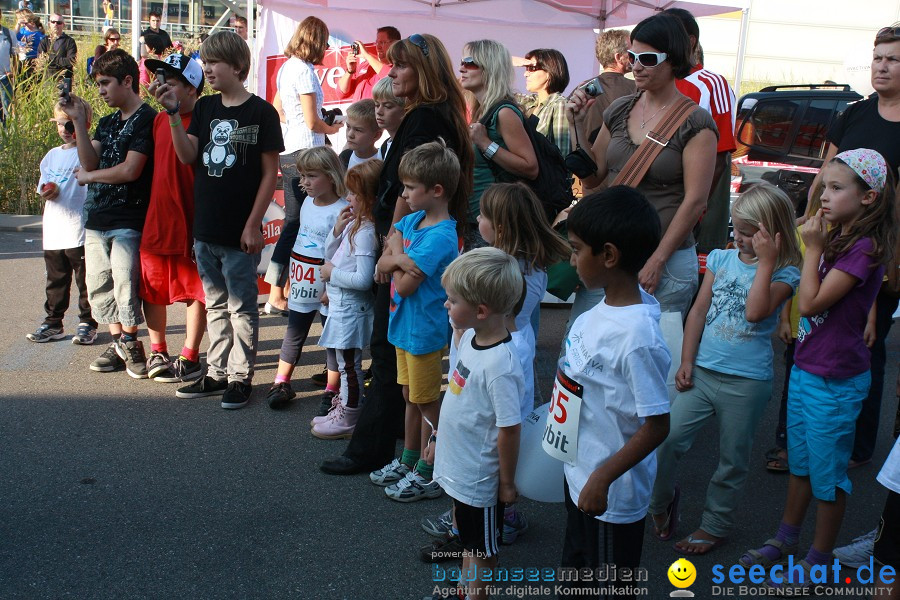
(678, 180)
(503, 148)
(546, 78)
(299, 103)
(422, 74)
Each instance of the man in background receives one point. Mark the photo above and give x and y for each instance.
(59, 48)
(363, 69)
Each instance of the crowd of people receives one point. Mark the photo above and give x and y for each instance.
(436, 241)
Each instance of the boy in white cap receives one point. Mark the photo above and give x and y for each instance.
(168, 272)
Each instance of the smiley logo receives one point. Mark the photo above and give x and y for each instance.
(682, 573)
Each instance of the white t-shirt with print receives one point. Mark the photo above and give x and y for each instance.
(316, 222)
(294, 79)
(618, 355)
(63, 220)
(483, 394)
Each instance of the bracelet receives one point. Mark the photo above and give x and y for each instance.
(174, 110)
(175, 124)
(491, 150)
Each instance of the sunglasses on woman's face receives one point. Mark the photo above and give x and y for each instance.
(647, 59)
(113, 39)
(420, 43)
(533, 68)
(469, 64)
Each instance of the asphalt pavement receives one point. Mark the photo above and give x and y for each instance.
(113, 488)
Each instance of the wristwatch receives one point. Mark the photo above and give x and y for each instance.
(174, 111)
(491, 150)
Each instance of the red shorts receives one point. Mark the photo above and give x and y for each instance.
(169, 279)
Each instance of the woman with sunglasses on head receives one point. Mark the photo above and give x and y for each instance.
(111, 41)
(546, 78)
(678, 180)
(423, 75)
(503, 149)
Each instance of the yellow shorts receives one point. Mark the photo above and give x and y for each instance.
(422, 373)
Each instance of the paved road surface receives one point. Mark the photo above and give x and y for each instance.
(113, 488)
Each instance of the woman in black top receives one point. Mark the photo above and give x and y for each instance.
(435, 108)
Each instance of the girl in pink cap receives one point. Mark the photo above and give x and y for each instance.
(848, 242)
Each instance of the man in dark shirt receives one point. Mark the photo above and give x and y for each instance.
(155, 37)
(59, 48)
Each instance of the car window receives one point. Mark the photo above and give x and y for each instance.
(810, 139)
(769, 125)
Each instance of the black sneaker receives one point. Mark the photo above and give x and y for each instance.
(181, 369)
(325, 404)
(202, 388)
(46, 333)
(237, 395)
(446, 548)
(280, 395)
(158, 365)
(132, 352)
(320, 379)
(108, 361)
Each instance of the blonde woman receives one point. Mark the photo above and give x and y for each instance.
(503, 149)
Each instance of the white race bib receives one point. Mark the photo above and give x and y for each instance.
(306, 280)
(560, 438)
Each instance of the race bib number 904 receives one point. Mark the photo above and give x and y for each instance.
(561, 432)
(306, 280)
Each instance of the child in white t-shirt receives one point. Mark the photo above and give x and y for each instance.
(610, 405)
(63, 225)
(478, 445)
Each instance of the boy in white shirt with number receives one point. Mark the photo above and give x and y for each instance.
(610, 406)
(478, 446)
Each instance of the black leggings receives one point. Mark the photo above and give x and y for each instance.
(295, 336)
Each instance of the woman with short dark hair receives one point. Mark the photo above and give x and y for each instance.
(546, 78)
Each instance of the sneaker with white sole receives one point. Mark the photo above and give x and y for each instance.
(132, 352)
(438, 526)
(181, 369)
(158, 364)
(858, 552)
(236, 395)
(390, 473)
(85, 335)
(203, 387)
(413, 487)
(108, 361)
(46, 333)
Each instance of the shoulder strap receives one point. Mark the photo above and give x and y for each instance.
(489, 115)
(639, 163)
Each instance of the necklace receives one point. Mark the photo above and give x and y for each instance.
(645, 121)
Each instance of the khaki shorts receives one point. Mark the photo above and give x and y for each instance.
(422, 373)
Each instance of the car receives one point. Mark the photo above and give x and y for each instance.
(780, 134)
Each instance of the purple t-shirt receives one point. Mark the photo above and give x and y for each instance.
(830, 344)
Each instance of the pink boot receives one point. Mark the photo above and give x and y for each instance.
(335, 402)
(340, 425)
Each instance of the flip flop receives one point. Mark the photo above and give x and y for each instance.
(775, 462)
(671, 518)
(711, 545)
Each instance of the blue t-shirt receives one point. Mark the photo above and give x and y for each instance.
(419, 323)
(730, 343)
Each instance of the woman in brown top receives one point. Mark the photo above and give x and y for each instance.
(678, 181)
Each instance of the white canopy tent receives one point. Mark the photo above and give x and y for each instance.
(522, 25)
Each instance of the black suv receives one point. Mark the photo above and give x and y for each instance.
(780, 133)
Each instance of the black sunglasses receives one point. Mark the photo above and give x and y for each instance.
(469, 63)
(420, 42)
(58, 22)
(533, 68)
(886, 31)
(113, 39)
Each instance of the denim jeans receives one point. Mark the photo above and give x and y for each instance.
(232, 317)
(113, 274)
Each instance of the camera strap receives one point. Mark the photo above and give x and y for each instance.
(639, 163)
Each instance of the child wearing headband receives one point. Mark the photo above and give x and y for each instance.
(849, 240)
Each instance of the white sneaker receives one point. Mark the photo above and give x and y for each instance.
(413, 487)
(390, 473)
(857, 553)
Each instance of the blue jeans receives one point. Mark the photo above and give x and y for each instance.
(113, 274)
(232, 317)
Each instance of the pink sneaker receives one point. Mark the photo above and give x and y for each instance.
(340, 425)
(335, 402)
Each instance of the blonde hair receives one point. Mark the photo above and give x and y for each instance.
(383, 91)
(609, 43)
(486, 276)
(324, 160)
(59, 113)
(364, 111)
(520, 225)
(494, 60)
(432, 164)
(362, 180)
(229, 48)
(768, 205)
(309, 42)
